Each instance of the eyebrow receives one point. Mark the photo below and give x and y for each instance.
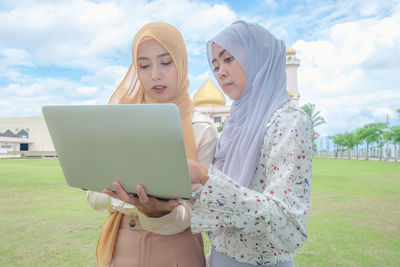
(159, 56)
(219, 55)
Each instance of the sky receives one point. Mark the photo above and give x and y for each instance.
(77, 52)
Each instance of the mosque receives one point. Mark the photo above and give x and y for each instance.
(29, 135)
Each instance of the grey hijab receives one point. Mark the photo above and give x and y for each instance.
(263, 58)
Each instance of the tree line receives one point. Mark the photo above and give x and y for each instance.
(377, 134)
(370, 134)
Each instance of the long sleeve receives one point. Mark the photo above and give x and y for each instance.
(206, 136)
(104, 203)
(98, 201)
(174, 222)
(275, 208)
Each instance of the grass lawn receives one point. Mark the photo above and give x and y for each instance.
(355, 216)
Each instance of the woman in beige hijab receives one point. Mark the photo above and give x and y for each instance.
(143, 231)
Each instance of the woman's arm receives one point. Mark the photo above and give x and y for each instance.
(280, 211)
(206, 137)
(98, 201)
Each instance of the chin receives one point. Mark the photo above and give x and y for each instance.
(228, 94)
(233, 97)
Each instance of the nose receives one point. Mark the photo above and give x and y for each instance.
(222, 73)
(155, 73)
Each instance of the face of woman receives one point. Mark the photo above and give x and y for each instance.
(156, 70)
(229, 73)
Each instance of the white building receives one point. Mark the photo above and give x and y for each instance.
(24, 134)
(13, 143)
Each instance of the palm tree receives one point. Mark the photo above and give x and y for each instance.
(314, 115)
(316, 120)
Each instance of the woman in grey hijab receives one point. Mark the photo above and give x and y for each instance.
(255, 198)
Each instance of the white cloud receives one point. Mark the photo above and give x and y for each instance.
(349, 51)
(11, 57)
(85, 91)
(109, 76)
(350, 74)
(89, 39)
(347, 112)
(195, 48)
(23, 91)
(202, 77)
(197, 21)
(197, 81)
(380, 114)
(87, 102)
(368, 7)
(86, 34)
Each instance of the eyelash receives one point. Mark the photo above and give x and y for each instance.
(229, 59)
(226, 60)
(146, 66)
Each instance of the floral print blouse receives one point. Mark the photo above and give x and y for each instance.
(265, 223)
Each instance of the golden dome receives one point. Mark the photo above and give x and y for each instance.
(209, 95)
(291, 93)
(290, 51)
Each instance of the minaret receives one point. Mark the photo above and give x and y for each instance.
(292, 63)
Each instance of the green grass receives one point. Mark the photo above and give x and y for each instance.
(354, 221)
(355, 214)
(44, 222)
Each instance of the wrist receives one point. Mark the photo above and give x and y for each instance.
(158, 214)
(205, 175)
(155, 211)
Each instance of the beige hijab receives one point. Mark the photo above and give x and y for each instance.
(130, 91)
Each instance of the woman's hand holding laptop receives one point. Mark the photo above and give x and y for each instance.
(150, 206)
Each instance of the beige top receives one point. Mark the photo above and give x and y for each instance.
(206, 136)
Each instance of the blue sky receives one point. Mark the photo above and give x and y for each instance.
(77, 52)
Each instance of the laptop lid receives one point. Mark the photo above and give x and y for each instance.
(134, 144)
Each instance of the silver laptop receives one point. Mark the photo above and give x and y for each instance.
(134, 144)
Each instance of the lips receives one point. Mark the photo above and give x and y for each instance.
(225, 85)
(159, 89)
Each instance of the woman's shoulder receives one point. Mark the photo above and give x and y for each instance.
(290, 109)
(203, 125)
(198, 117)
(289, 113)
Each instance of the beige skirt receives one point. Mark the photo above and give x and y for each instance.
(136, 247)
